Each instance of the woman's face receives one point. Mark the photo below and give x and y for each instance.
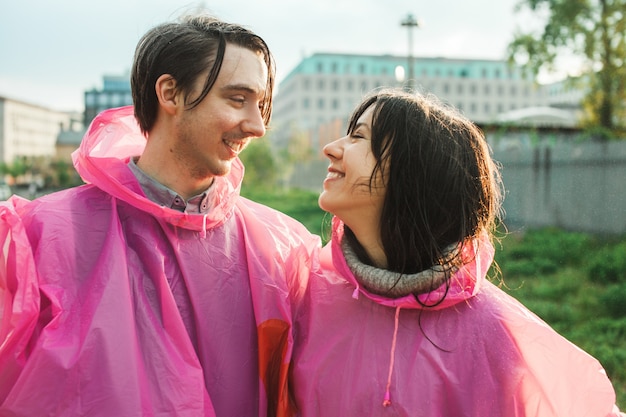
(346, 192)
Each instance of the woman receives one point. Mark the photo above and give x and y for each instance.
(402, 321)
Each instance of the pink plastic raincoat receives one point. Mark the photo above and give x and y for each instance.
(479, 353)
(109, 302)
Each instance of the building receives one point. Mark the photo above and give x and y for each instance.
(68, 140)
(28, 130)
(316, 98)
(115, 93)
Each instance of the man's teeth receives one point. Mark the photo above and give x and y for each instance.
(235, 146)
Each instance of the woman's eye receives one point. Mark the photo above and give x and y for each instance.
(240, 100)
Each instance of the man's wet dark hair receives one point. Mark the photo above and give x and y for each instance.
(186, 50)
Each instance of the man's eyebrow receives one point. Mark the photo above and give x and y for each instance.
(242, 88)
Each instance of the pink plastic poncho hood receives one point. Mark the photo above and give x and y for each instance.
(478, 353)
(114, 137)
(111, 305)
(464, 284)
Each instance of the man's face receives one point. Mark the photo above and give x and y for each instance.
(211, 135)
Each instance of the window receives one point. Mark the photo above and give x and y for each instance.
(487, 90)
(320, 103)
(306, 103)
(90, 99)
(116, 99)
(321, 84)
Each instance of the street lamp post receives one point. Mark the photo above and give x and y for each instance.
(410, 23)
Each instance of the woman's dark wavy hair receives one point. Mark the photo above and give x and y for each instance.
(442, 186)
(186, 49)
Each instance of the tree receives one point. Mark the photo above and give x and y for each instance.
(19, 167)
(261, 170)
(593, 30)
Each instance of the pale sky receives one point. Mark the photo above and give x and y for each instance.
(52, 51)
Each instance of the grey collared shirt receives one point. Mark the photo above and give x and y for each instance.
(164, 196)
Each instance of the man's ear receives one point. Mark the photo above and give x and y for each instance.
(167, 93)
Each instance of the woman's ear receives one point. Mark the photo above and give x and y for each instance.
(167, 93)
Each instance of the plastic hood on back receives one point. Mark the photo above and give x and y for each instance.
(111, 140)
(478, 353)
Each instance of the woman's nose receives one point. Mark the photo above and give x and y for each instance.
(334, 149)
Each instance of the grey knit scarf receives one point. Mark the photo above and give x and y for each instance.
(393, 284)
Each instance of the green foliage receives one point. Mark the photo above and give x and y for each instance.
(608, 265)
(576, 284)
(261, 167)
(544, 250)
(62, 175)
(614, 300)
(299, 204)
(19, 167)
(595, 32)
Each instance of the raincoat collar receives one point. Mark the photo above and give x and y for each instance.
(463, 284)
(112, 139)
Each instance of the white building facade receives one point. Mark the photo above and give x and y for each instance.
(28, 130)
(318, 95)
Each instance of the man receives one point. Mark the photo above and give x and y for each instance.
(155, 289)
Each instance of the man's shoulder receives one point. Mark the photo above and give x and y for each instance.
(261, 211)
(270, 220)
(71, 201)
